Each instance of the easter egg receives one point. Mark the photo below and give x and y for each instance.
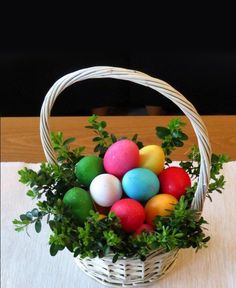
(152, 157)
(88, 168)
(105, 189)
(130, 212)
(140, 184)
(159, 205)
(121, 157)
(144, 227)
(80, 203)
(174, 181)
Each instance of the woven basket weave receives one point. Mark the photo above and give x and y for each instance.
(131, 271)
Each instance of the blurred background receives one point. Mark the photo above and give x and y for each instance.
(205, 78)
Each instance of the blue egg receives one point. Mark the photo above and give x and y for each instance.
(140, 184)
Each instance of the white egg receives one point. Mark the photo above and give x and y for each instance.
(105, 189)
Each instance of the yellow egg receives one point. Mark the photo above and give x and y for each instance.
(152, 157)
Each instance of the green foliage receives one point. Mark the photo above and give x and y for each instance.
(193, 168)
(104, 139)
(31, 217)
(172, 136)
(183, 228)
(61, 147)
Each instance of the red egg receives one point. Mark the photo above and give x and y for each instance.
(144, 227)
(121, 157)
(174, 181)
(130, 212)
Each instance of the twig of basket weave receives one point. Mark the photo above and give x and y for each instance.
(143, 79)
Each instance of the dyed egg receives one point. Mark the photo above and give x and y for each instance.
(131, 214)
(152, 157)
(144, 227)
(140, 184)
(121, 157)
(174, 181)
(80, 203)
(88, 168)
(159, 205)
(105, 189)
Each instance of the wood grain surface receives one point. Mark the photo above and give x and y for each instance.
(20, 139)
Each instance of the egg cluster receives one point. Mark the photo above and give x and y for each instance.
(130, 182)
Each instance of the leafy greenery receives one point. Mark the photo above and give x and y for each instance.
(172, 136)
(61, 147)
(103, 138)
(217, 161)
(183, 228)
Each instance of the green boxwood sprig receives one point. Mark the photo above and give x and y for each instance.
(183, 228)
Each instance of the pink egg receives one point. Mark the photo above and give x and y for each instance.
(130, 212)
(121, 157)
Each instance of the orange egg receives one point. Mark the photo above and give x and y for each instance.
(159, 205)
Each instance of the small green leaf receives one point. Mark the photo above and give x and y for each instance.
(68, 141)
(168, 160)
(178, 143)
(162, 132)
(38, 226)
(103, 124)
(76, 253)
(23, 217)
(53, 249)
(179, 135)
(134, 138)
(29, 215)
(113, 138)
(97, 148)
(35, 212)
(31, 194)
(115, 258)
(95, 139)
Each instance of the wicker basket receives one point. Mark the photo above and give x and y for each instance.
(131, 271)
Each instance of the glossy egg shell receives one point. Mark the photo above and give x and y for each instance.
(152, 157)
(88, 168)
(80, 203)
(174, 181)
(121, 157)
(105, 189)
(131, 214)
(140, 184)
(159, 205)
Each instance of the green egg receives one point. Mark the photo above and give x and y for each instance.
(80, 203)
(88, 168)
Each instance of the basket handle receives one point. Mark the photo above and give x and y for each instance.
(143, 79)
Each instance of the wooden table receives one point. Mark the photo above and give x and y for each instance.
(20, 139)
(26, 261)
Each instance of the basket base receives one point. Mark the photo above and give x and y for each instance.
(129, 272)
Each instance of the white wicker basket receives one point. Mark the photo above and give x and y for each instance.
(131, 271)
